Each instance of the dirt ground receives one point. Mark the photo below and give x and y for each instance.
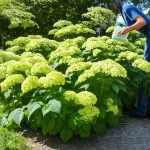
(132, 134)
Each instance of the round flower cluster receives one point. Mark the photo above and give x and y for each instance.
(86, 75)
(114, 45)
(41, 42)
(7, 64)
(65, 60)
(91, 44)
(79, 41)
(2, 73)
(96, 52)
(75, 61)
(85, 98)
(18, 66)
(32, 58)
(52, 32)
(40, 68)
(110, 29)
(61, 52)
(78, 67)
(69, 60)
(35, 37)
(6, 56)
(67, 43)
(73, 30)
(107, 67)
(8, 43)
(11, 80)
(128, 55)
(62, 23)
(140, 43)
(31, 82)
(21, 41)
(111, 107)
(13, 49)
(70, 95)
(52, 79)
(142, 64)
(103, 38)
(88, 113)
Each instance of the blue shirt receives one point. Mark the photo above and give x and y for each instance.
(129, 12)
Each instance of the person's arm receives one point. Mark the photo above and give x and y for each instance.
(139, 23)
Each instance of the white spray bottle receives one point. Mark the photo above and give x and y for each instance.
(115, 35)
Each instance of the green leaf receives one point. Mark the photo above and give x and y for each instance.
(3, 122)
(55, 65)
(119, 81)
(7, 94)
(99, 127)
(87, 127)
(72, 122)
(45, 110)
(122, 88)
(66, 134)
(115, 88)
(55, 106)
(83, 133)
(85, 86)
(51, 124)
(16, 115)
(45, 129)
(38, 116)
(102, 112)
(32, 107)
(138, 78)
(113, 121)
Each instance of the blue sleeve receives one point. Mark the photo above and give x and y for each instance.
(132, 13)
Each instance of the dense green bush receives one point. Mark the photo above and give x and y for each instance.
(10, 140)
(72, 86)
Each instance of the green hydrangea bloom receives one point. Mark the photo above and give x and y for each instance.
(18, 66)
(62, 23)
(69, 60)
(13, 49)
(70, 95)
(2, 73)
(128, 55)
(52, 79)
(6, 56)
(21, 41)
(78, 67)
(111, 107)
(94, 43)
(88, 113)
(62, 51)
(45, 43)
(142, 65)
(32, 58)
(87, 74)
(40, 68)
(31, 82)
(85, 98)
(107, 67)
(11, 80)
(96, 52)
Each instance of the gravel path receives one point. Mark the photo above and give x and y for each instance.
(132, 134)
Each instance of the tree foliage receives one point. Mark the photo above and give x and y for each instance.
(15, 20)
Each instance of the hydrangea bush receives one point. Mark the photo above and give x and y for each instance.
(69, 87)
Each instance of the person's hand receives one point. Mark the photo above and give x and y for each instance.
(123, 31)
